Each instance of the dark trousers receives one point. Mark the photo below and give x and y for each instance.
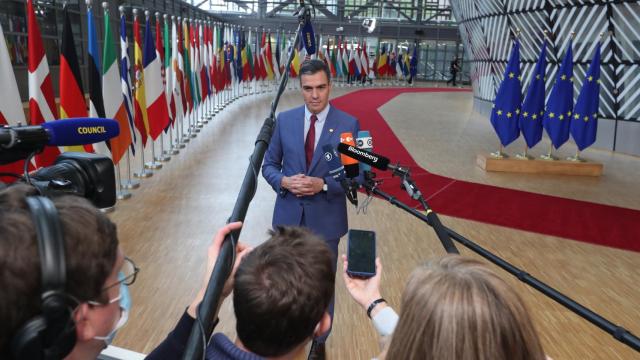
(453, 78)
(333, 245)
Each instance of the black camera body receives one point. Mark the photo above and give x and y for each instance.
(88, 175)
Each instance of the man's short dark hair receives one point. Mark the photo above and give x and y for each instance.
(311, 67)
(282, 290)
(91, 246)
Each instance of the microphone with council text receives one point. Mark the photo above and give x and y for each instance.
(17, 142)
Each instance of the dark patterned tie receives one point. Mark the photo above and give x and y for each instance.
(310, 141)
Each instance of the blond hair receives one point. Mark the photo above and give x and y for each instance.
(456, 308)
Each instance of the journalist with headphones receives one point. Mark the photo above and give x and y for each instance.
(63, 277)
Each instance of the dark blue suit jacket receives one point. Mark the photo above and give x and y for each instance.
(325, 213)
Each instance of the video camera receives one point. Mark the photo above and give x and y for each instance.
(89, 175)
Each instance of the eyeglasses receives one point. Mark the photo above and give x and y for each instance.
(129, 273)
(126, 276)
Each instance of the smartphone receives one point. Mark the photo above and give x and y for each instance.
(361, 253)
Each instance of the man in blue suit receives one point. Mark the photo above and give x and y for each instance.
(295, 168)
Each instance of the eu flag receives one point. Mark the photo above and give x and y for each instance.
(506, 107)
(560, 106)
(584, 123)
(413, 64)
(533, 106)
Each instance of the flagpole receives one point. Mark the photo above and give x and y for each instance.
(143, 173)
(130, 184)
(164, 155)
(151, 164)
(174, 132)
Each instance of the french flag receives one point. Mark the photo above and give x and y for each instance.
(157, 109)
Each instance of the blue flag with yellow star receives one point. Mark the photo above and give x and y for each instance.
(584, 123)
(506, 107)
(557, 117)
(533, 106)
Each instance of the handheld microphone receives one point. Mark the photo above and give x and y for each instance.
(364, 142)
(66, 132)
(377, 161)
(336, 170)
(17, 142)
(351, 166)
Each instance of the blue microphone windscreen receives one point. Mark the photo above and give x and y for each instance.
(363, 141)
(309, 38)
(80, 131)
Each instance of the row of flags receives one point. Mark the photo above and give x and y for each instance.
(174, 71)
(353, 61)
(511, 116)
(177, 65)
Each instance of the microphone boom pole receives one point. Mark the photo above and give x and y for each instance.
(618, 332)
(208, 309)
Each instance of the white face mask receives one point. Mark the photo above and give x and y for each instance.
(124, 300)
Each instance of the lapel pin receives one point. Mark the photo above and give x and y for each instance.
(330, 130)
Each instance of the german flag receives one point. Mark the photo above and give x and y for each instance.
(72, 101)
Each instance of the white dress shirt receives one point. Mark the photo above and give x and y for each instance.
(322, 116)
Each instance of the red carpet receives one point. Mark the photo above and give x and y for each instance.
(573, 219)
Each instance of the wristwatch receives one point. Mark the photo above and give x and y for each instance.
(325, 187)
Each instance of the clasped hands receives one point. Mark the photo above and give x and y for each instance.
(302, 185)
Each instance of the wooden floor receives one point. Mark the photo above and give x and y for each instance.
(171, 218)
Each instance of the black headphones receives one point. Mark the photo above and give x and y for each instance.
(52, 333)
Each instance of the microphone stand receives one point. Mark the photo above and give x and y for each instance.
(431, 218)
(618, 332)
(207, 311)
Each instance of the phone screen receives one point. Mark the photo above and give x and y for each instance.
(361, 253)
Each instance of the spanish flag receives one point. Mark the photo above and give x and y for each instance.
(140, 103)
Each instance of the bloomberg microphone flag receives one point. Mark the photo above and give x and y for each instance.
(584, 123)
(533, 106)
(506, 107)
(557, 116)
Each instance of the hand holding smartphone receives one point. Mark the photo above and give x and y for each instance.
(361, 253)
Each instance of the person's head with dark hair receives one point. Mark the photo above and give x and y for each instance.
(281, 293)
(315, 81)
(93, 261)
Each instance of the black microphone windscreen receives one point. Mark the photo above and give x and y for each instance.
(367, 157)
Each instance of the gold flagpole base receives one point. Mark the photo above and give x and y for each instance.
(499, 155)
(130, 185)
(143, 174)
(548, 157)
(524, 156)
(576, 158)
(123, 195)
(153, 165)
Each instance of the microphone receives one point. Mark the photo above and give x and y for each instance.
(374, 160)
(17, 142)
(66, 132)
(351, 166)
(336, 170)
(364, 142)
(308, 38)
